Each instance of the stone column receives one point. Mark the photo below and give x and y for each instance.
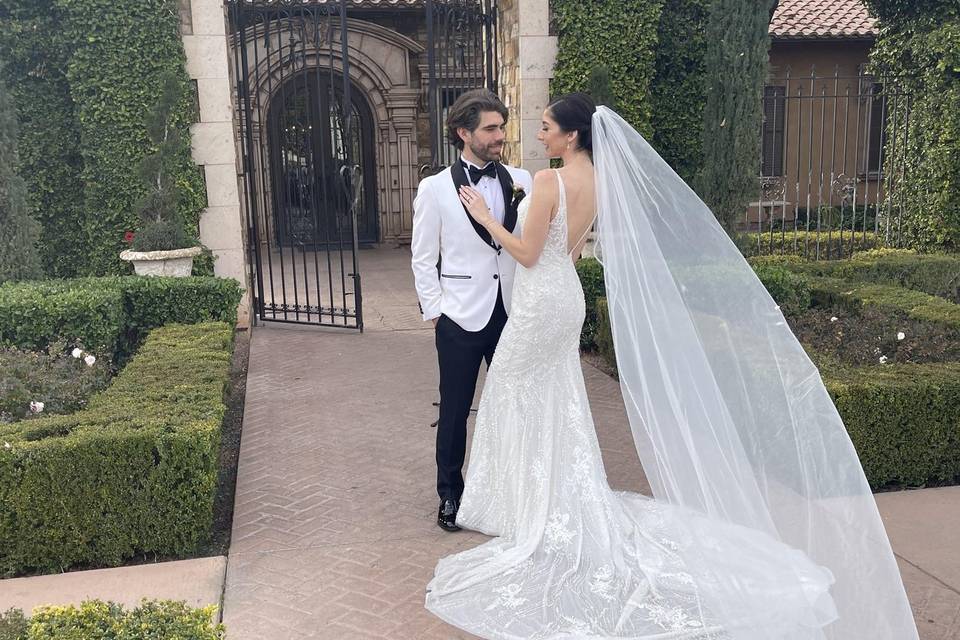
(528, 53)
(203, 25)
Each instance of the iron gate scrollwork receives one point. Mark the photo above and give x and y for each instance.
(461, 48)
(308, 138)
(304, 132)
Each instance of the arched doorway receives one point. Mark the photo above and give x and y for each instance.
(308, 139)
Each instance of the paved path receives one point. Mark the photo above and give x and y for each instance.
(334, 533)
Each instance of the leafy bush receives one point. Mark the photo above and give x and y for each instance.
(162, 235)
(935, 274)
(621, 36)
(591, 279)
(789, 290)
(903, 419)
(107, 316)
(915, 305)
(132, 473)
(152, 620)
(63, 383)
(13, 625)
(805, 243)
(919, 44)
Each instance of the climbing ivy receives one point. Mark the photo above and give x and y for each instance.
(678, 87)
(621, 36)
(32, 45)
(119, 51)
(919, 44)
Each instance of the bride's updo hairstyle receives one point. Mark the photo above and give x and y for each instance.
(574, 112)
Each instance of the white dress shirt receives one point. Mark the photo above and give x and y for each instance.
(491, 191)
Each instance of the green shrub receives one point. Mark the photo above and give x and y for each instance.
(790, 290)
(904, 419)
(13, 625)
(621, 36)
(935, 274)
(591, 279)
(916, 305)
(107, 316)
(152, 620)
(35, 314)
(63, 383)
(805, 243)
(135, 472)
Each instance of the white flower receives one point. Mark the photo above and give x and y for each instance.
(834, 318)
(76, 353)
(7, 445)
(901, 335)
(36, 407)
(90, 359)
(883, 359)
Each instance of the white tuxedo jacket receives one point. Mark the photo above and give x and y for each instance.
(472, 266)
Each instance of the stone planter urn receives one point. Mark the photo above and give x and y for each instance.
(177, 263)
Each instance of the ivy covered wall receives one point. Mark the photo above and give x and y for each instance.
(86, 73)
(920, 43)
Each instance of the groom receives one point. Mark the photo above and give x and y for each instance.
(464, 278)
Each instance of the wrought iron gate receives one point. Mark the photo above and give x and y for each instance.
(302, 139)
(834, 150)
(307, 139)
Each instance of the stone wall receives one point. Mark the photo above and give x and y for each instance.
(203, 28)
(527, 53)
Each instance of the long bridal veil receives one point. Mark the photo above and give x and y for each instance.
(729, 415)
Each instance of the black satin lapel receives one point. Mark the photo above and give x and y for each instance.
(509, 209)
(460, 180)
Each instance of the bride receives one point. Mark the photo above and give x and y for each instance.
(762, 526)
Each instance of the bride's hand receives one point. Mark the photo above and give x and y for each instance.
(475, 205)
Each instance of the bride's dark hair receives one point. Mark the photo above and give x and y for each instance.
(574, 112)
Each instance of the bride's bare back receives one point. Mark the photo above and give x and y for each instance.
(580, 186)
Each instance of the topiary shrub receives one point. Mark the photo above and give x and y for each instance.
(591, 279)
(133, 473)
(109, 315)
(152, 620)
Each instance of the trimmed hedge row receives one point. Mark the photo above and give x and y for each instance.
(152, 620)
(804, 243)
(135, 472)
(903, 419)
(935, 274)
(109, 315)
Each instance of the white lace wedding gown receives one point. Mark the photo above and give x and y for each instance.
(572, 558)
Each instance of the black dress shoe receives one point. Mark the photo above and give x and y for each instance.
(447, 517)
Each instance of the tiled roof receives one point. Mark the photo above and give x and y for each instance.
(822, 19)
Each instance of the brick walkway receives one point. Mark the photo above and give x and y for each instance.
(334, 533)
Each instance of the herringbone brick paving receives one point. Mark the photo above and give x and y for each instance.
(334, 533)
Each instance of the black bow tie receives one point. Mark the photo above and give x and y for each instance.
(475, 174)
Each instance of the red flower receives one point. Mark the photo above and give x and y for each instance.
(128, 237)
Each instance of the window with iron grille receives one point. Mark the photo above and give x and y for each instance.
(774, 112)
(876, 128)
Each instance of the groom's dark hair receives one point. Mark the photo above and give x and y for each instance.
(465, 113)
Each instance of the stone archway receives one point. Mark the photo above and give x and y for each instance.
(379, 64)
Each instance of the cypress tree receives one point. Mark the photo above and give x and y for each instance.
(18, 231)
(736, 65)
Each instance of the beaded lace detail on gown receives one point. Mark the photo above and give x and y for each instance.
(571, 558)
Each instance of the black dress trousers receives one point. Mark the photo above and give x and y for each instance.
(460, 353)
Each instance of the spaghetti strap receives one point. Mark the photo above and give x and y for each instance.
(563, 205)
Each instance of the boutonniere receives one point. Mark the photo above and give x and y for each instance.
(518, 194)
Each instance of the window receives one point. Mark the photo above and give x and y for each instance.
(774, 112)
(875, 140)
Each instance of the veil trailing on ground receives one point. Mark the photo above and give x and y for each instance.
(729, 415)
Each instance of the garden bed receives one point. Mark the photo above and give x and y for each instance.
(133, 473)
(889, 355)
